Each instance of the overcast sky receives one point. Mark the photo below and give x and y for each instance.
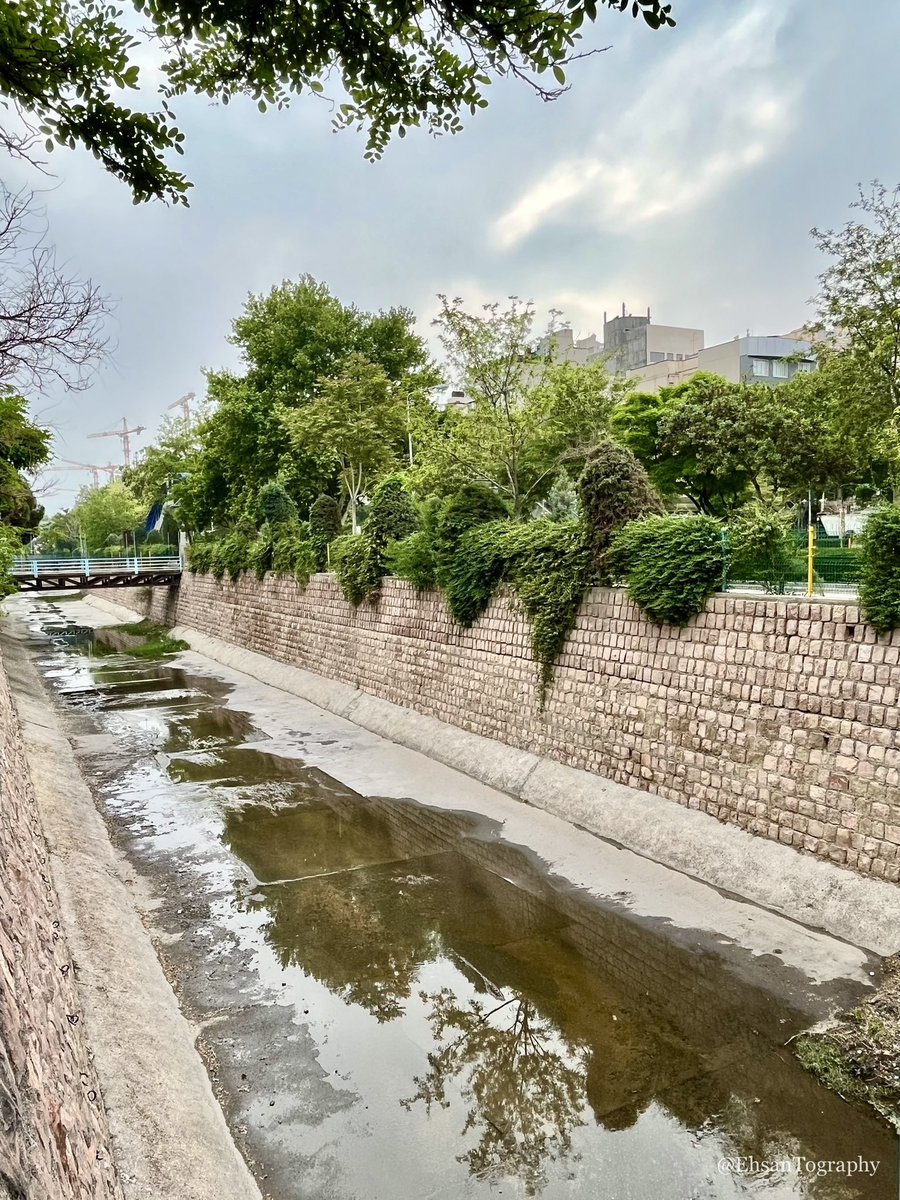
(682, 171)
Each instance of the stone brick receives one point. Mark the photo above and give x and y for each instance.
(759, 712)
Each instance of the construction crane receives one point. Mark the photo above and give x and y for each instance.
(111, 469)
(185, 405)
(125, 434)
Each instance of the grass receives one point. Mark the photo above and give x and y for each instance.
(156, 639)
(859, 1057)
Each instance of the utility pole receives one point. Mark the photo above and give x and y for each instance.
(125, 434)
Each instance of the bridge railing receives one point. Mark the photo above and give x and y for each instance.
(37, 568)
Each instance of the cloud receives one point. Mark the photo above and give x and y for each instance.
(711, 110)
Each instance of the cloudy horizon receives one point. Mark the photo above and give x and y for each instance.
(681, 172)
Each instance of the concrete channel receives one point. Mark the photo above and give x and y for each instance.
(377, 978)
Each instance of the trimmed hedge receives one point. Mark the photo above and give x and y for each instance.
(879, 573)
(671, 565)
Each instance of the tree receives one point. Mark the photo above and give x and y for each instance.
(290, 339)
(528, 412)
(23, 448)
(60, 534)
(715, 433)
(51, 324)
(354, 423)
(160, 465)
(108, 511)
(858, 302)
(65, 64)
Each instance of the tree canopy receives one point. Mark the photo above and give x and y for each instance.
(24, 447)
(67, 67)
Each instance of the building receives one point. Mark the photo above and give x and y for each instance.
(744, 359)
(565, 347)
(633, 342)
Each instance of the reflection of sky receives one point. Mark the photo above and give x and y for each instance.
(682, 171)
(654, 1107)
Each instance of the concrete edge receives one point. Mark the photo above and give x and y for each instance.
(170, 1138)
(865, 912)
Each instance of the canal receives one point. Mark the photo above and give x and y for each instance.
(395, 1002)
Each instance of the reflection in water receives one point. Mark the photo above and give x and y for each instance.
(522, 1084)
(472, 1026)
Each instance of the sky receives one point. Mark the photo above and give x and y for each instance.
(682, 171)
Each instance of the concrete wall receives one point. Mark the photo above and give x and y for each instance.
(777, 716)
(53, 1130)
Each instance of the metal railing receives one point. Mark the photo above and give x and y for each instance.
(37, 568)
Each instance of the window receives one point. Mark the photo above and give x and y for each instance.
(670, 357)
(779, 368)
(759, 366)
(655, 356)
(805, 366)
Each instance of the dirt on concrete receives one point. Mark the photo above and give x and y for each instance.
(859, 1057)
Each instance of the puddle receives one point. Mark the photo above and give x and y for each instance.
(399, 1005)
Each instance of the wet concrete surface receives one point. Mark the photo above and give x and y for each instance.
(398, 1004)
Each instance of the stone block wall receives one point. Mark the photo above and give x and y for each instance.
(779, 715)
(53, 1131)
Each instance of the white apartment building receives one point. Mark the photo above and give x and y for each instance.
(743, 359)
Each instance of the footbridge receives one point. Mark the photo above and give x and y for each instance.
(40, 574)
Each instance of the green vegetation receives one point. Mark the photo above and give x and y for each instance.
(614, 489)
(152, 640)
(69, 68)
(671, 565)
(325, 449)
(879, 580)
(857, 1057)
(761, 547)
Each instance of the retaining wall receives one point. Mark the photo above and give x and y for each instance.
(53, 1130)
(779, 716)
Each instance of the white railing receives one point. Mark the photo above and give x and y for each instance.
(37, 568)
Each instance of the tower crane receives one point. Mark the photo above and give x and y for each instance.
(185, 405)
(111, 469)
(125, 434)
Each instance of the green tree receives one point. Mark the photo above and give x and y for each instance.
(290, 339)
(354, 423)
(24, 447)
(10, 546)
(528, 412)
(614, 489)
(60, 534)
(108, 512)
(858, 302)
(67, 63)
(160, 466)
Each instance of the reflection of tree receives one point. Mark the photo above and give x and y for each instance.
(522, 1084)
(366, 949)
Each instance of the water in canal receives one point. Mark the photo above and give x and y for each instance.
(396, 1004)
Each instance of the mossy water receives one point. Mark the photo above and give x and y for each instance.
(396, 1002)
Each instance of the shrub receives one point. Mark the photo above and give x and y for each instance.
(293, 553)
(352, 564)
(199, 557)
(414, 557)
(232, 555)
(548, 565)
(472, 572)
(671, 565)
(324, 527)
(391, 516)
(275, 505)
(260, 551)
(879, 576)
(761, 547)
(10, 547)
(614, 488)
(474, 504)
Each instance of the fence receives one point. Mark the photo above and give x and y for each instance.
(823, 566)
